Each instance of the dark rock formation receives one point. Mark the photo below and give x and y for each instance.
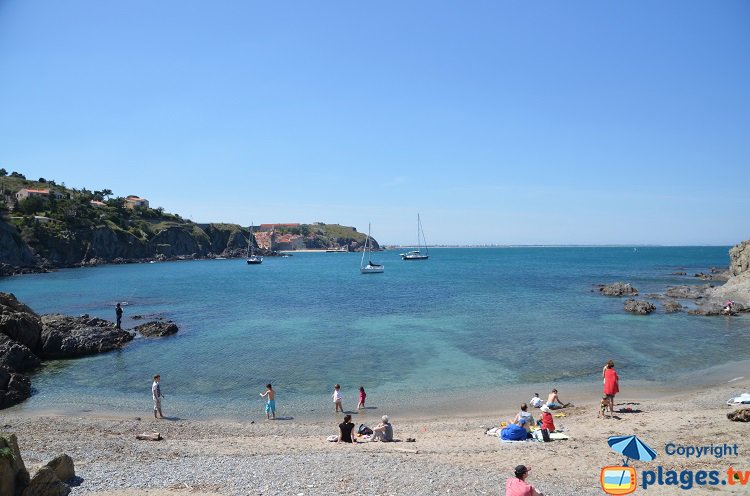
(46, 483)
(640, 307)
(741, 415)
(157, 329)
(19, 322)
(717, 308)
(16, 356)
(679, 273)
(617, 289)
(672, 306)
(14, 387)
(13, 474)
(13, 250)
(63, 467)
(739, 258)
(68, 337)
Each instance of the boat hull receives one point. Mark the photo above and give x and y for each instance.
(371, 270)
(414, 257)
(254, 260)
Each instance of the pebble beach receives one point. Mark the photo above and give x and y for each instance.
(451, 455)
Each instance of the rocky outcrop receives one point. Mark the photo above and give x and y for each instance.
(16, 356)
(687, 292)
(13, 474)
(741, 415)
(13, 250)
(46, 483)
(14, 387)
(157, 329)
(617, 289)
(640, 307)
(68, 337)
(739, 258)
(63, 467)
(672, 306)
(19, 322)
(717, 308)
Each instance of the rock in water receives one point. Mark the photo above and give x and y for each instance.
(63, 467)
(672, 306)
(68, 337)
(618, 289)
(14, 387)
(16, 356)
(639, 306)
(157, 329)
(46, 483)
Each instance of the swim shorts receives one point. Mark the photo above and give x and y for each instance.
(271, 406)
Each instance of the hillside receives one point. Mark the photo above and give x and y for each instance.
(57, 226)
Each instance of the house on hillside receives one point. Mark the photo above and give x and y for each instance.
(133, 202)
(25, 193)
(97, 203)
(285, 242)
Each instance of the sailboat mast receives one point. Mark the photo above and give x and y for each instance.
(362, 262)
(419, 223)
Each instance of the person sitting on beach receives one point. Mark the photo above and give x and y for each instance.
(536, 401)
(517, 486)
(547, 421)
(345, 430)
(515, 431)
(526, 416)
(383, 432)
(554, 402)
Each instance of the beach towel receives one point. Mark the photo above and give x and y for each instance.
(558, 436)
(743, 399)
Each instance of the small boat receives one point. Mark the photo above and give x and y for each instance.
(252, 258)
(417, 254)
(371, 267)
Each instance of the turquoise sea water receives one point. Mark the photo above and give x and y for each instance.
(467, 319)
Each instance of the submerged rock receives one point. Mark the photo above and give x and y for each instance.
(641, 307)
(672, 306)
(687, 292)
(67, 337)
(618, 289)
(157, 329)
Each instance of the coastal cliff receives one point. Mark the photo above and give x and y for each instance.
(737, 288)
(44, 225)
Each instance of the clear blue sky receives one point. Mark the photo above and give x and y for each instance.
(581, 122)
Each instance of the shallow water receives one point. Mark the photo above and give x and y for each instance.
(466, 320)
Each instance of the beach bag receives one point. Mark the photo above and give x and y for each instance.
(364, 430)
(541, 435)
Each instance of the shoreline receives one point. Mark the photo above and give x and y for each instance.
(451, 453)
(440, 404)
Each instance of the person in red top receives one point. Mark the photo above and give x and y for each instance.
(611, 384)
(547, 422)
(517, 486)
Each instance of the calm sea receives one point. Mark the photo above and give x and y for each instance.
(465, 322)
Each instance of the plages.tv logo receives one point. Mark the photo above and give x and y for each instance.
(624, 479)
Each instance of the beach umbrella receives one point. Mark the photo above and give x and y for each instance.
(632, 447)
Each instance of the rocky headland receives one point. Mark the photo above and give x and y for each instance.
(705, 299)
(28, 339)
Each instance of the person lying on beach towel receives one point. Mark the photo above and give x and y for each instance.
(514, 432)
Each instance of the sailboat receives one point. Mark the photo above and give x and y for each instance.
(371, 267)
(417, 254)
(252, 258)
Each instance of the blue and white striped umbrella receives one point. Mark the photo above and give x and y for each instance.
(632, 447)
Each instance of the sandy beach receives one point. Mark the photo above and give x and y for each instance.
(451, 455)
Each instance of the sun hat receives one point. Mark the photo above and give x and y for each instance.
(545, 409)
(521, 469)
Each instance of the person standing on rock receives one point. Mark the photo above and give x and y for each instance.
(118, 313)
(157, 396)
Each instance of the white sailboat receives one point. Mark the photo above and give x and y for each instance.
(252, 258)
(370, 267)
(417, 254)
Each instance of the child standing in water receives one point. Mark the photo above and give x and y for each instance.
(362, 396)
(271, 403)
(337, 398)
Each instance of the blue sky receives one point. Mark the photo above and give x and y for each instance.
(500, 122)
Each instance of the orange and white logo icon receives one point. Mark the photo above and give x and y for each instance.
(619, 480)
